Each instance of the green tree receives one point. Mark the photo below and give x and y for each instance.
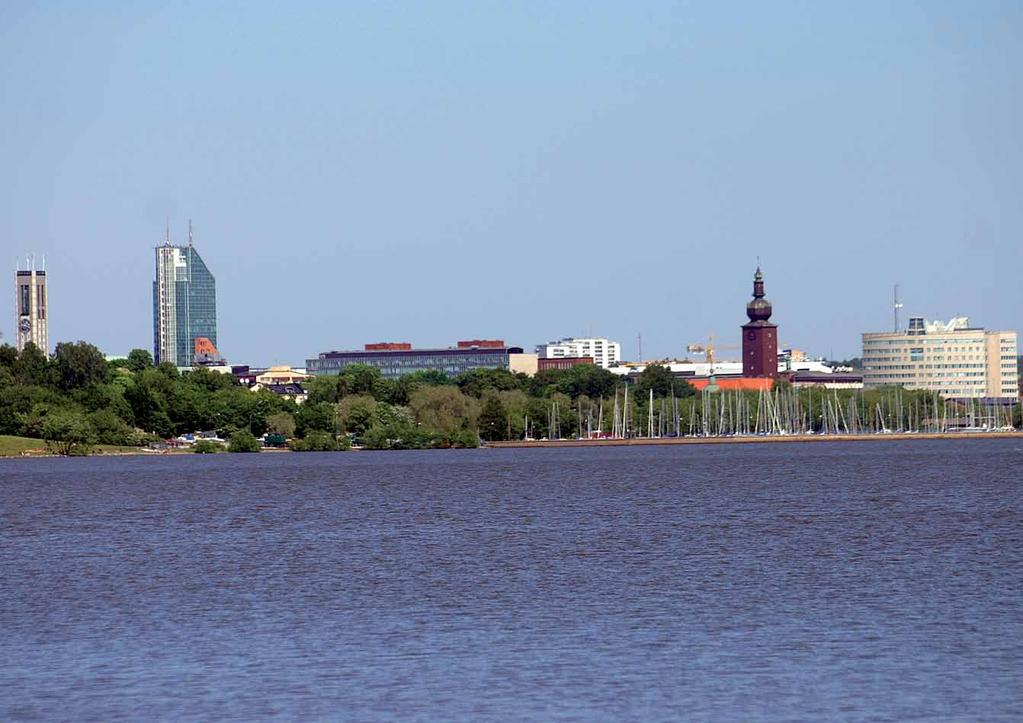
(355, 414)
(657, 378)
(493, 420)
(242, 441)
(442, 409)
(105, 396)
(32, 367)
(478, 381)
(281, 423)
(8, 356)
(147, 397)
(364, 379)
(110, 428)
(79, 364)
(168, 370)
(67, 432)
(210, 380)
(314, 416)
(139, 359)
(429, 378)
(315, 441)
(323, 389)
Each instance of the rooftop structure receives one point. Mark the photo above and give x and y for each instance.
(281, 375)
(397, 360)
(950, 358)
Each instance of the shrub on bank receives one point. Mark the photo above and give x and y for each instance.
(318, 441)
(243, 441)
(206, 446)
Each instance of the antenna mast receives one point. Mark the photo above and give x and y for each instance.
(896, 306)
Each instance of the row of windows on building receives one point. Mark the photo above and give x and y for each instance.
(916, 367)
(960, 344)
(941, 380)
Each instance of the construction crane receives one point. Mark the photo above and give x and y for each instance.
(708, 349)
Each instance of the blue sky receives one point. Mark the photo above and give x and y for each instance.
(429, 172)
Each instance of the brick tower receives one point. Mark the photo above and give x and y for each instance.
(759, 336)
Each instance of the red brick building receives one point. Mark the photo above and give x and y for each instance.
(759, 336)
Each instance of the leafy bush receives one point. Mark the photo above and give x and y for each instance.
(243, 441)
(110, 428)
(282, 424)
(206, 446)
(316, 441)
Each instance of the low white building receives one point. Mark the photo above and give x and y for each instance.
(724, 368)
(605, 353)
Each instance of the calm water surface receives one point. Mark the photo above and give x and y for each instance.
(749, 582)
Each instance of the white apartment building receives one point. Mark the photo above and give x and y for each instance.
(605, 353)
(950, 358)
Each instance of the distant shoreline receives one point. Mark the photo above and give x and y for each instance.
(563, 443)
(642, 441)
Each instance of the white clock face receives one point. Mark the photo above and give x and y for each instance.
(25, 325)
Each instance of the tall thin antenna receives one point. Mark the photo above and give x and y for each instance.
(189, 232)
(167, 238)
(639, 340)
(896, 306)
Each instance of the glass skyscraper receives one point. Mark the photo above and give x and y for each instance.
(184, 304)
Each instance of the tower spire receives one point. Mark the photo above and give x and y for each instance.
(189, 232)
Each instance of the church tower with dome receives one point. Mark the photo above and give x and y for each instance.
(759, 335)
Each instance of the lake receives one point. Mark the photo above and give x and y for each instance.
(852, 581)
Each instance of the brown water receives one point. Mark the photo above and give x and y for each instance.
(767, 582)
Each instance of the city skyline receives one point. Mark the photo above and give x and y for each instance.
(427, 175)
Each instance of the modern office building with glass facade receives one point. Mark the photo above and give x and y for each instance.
(184, 304)
(396, 360)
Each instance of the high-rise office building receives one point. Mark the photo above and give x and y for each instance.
(184, 305)
(951, 358)
(30, 307)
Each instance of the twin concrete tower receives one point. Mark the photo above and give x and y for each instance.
(30, 307)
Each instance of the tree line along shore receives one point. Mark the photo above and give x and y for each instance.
(77, 401)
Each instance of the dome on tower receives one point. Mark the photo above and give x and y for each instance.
(759, 308)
